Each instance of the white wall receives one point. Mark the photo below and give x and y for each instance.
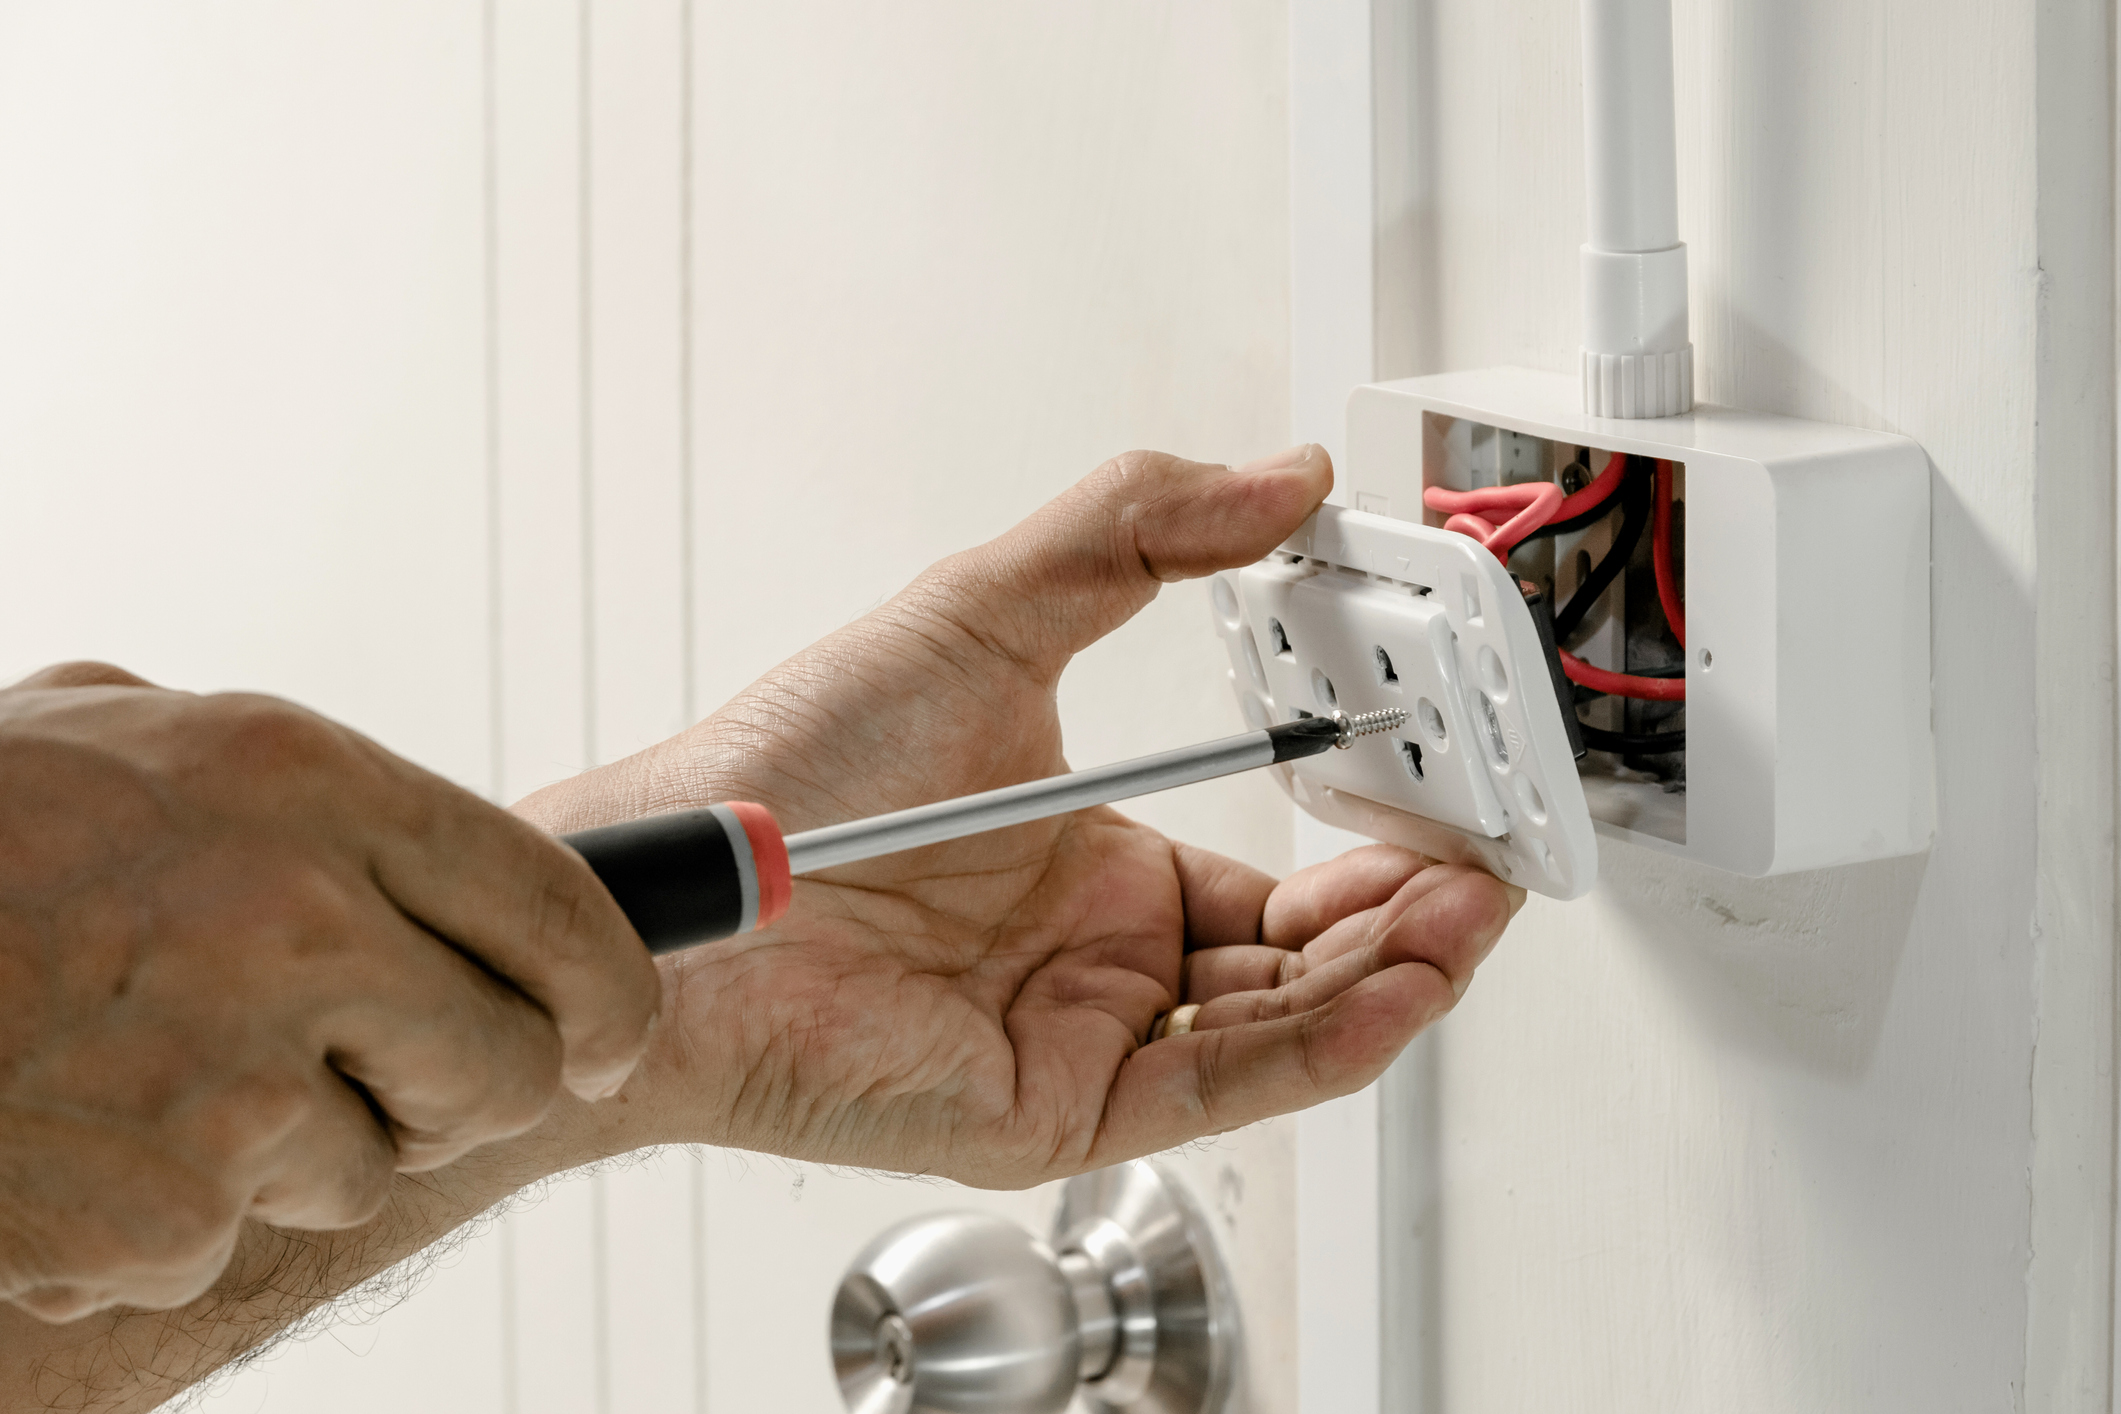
(1838, 1141)
(518, 380)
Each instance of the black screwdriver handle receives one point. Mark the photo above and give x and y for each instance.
(692, 876)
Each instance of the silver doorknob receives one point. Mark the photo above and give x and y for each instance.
(1129, 1306)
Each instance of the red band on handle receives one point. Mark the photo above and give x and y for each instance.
(769, 853)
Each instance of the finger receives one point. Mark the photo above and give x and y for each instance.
(1227, 906)
(1312, 900)
(452, 1058)
(1223, 899)
(334, 1168)
(1209, 1081)
(82, 674)
(1092, 557)
(1215, 972)
(529, 909)
(1406, 928)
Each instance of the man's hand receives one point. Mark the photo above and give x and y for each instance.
(251, 966)
(982, 1009)
(979, 1009)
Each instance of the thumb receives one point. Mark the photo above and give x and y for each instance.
(1090, 559)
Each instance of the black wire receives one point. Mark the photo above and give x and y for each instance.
(1635, 491)
(1573, 524)
(1632, 743)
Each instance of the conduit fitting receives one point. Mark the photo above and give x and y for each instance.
(1638, 360)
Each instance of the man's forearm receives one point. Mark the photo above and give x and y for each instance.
(121, 1361)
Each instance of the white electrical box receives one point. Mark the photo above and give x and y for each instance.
(1804, 552)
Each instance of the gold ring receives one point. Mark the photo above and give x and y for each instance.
(1176, 1022)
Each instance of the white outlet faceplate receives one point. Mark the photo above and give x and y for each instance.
(1806, 587)
(1359, 613)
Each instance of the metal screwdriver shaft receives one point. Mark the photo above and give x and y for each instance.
(1057, 795)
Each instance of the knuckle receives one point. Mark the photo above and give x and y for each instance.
(493, 1076)
(186, 1224)
(268, 736)
(1208, 1080)
(1138, 471)
(119, 1212)
(60, 1305)
(81, 672)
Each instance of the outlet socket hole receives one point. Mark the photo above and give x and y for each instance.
(1225, 599)
(1278, 640)
(1431, 724)
(1387, 676)
(1410, 757)
(1322, 689)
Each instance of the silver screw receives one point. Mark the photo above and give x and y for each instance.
(1366, 724)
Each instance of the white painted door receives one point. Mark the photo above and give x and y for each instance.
(472, 372)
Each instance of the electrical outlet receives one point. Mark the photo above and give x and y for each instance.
(1803, 554)
(1359, 613)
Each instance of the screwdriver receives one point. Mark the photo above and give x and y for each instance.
(694, 876)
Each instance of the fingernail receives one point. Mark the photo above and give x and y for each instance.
(1276, 461)
(1517, 898)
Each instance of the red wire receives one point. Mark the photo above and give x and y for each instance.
(1538, 502)
(1534, 501)
(1622, 684)
(1589, 497)
(1661, 555)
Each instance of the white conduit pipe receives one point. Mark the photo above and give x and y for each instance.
(1638, 360)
